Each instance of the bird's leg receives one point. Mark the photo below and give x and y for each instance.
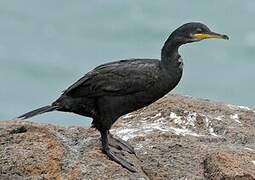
(113, 155)
(120, 144)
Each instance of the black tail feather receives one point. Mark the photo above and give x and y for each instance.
(37, 112)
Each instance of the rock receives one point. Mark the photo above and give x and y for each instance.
(175, 138)
(230, 165)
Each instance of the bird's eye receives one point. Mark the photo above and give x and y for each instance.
(199, 30)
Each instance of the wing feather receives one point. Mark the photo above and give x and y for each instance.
(118, 78)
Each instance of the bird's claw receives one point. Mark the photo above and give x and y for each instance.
(117, 156)
(120, 144)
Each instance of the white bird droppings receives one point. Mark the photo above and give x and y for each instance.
(159, 123)
(177, 119)
(250, 149)
(253, 162)
(191, 118)
(206, 120)
(245, 108)
(128, 116)
(183, 132)
(157, 115)
(235, 117)
(126, 133)
(219, 118)
(129, 133)
(235, 107)
(211, 131)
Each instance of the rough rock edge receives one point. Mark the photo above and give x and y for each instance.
(175, 138)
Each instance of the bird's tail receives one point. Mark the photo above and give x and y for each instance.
(38, 111)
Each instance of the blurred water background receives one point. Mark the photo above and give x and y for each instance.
(47, 45)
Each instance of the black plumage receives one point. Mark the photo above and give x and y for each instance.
(117, 88)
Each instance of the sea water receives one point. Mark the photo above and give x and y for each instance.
(47, 45)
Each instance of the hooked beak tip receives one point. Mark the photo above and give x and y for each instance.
(225, 37)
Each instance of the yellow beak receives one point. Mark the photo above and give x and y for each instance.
(210, 35)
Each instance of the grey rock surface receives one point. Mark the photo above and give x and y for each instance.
(174, 138)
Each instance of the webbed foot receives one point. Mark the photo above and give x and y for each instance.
(115, 154)
(120, 144)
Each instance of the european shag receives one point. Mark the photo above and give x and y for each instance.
(117, 88)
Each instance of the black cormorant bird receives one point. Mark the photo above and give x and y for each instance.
(117, 88)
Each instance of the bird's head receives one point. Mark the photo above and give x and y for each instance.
(192, 32)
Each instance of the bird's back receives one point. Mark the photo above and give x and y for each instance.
(116, 78)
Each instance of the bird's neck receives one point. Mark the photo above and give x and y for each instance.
(170, 54)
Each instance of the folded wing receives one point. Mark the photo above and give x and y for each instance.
(116, 79)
